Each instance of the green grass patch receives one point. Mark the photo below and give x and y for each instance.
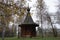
(34, 38)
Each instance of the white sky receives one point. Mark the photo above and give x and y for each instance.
(51, 5)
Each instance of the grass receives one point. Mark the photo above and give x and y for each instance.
(36, 38)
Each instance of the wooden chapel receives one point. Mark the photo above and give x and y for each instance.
(28, 27)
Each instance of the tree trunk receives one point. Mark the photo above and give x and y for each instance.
(54, 31)
(3, 33)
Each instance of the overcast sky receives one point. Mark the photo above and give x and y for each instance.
(51, 5)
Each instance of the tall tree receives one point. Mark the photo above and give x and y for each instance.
(41, 7)
(12, 12)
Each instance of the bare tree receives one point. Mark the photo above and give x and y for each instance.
(41, 14)
(53, 28)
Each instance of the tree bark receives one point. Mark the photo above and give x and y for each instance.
(3, 33)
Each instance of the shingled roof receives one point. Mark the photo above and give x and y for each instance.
(28, 20)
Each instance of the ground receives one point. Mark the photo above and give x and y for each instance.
(37, 38)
